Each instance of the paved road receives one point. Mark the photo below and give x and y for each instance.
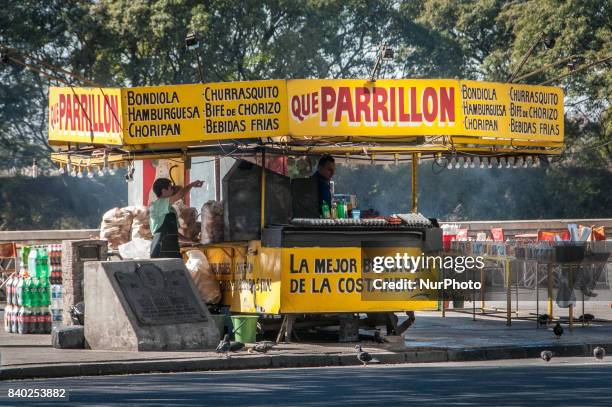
(570, 381)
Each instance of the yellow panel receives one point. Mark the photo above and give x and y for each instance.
(85, 115)
(340, 280)
(511, 111)
(419, 107)
(315, 109)
(243, 299)
(268, 276)
(220, 260)
(358, 107)
(204, 112)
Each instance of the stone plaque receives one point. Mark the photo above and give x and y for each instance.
(159, 297)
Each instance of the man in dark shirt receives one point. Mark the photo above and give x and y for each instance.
(325, 172)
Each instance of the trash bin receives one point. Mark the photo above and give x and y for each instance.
(245, 327)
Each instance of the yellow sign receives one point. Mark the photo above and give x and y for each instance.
(422, 107)
(357, 107)
(85, 115)
(180, 113)
(511, 111)
(341, 279)
(305, 108)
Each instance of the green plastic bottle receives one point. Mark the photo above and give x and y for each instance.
(44, 263)
(46, 293)
(28, 291)
(325, 211)
(340, 209)
(33, 262)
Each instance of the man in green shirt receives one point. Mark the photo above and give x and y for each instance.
(162, 216)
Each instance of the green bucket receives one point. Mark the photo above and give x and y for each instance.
(245, 327)
(220, 322)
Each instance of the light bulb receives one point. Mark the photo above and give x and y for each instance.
(509, 162)
(459, 162)
(100, 172)
(90, 173)
(61, 170)
(536, 162)
(466, 163)
(73, 173)
(80, 173)
(500, 162)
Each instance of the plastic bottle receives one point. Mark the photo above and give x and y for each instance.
(20, 290)
(14, 291)
(325, 210)
(48, 320)
(9, 290)
(14, 319)
(29, 292)
(21, 322)
(44, 263)
(33, 262)
(45, 289)
(340, 209)
(37, 292)
(8, 311)
(334, 211)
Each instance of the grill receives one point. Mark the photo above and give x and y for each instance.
(401, 221)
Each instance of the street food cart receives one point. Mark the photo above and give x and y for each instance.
(271, 261)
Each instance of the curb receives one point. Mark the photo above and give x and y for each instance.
(291, 361)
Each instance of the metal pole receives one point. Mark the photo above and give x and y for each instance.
(415, 164)
(263, 189)
(537, 286)
(482, 291)
(571, 305)
(506, 264)
(217, 179)
(525, 57)
(550, 291)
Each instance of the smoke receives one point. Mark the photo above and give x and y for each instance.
(484, 194)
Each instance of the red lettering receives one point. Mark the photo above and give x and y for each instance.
(99, 117)
(85, 124)
(447, 105)
(305, 100)
(403, 115)
(62, 109)
(68, 119)
(416, 116)
(328, 101)
(114, 109)
(91, 111)
(76, 113)
(107, 115)
(362, 101)
(344, 104)
(392, 104)
(378, 104)
(430, 114)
